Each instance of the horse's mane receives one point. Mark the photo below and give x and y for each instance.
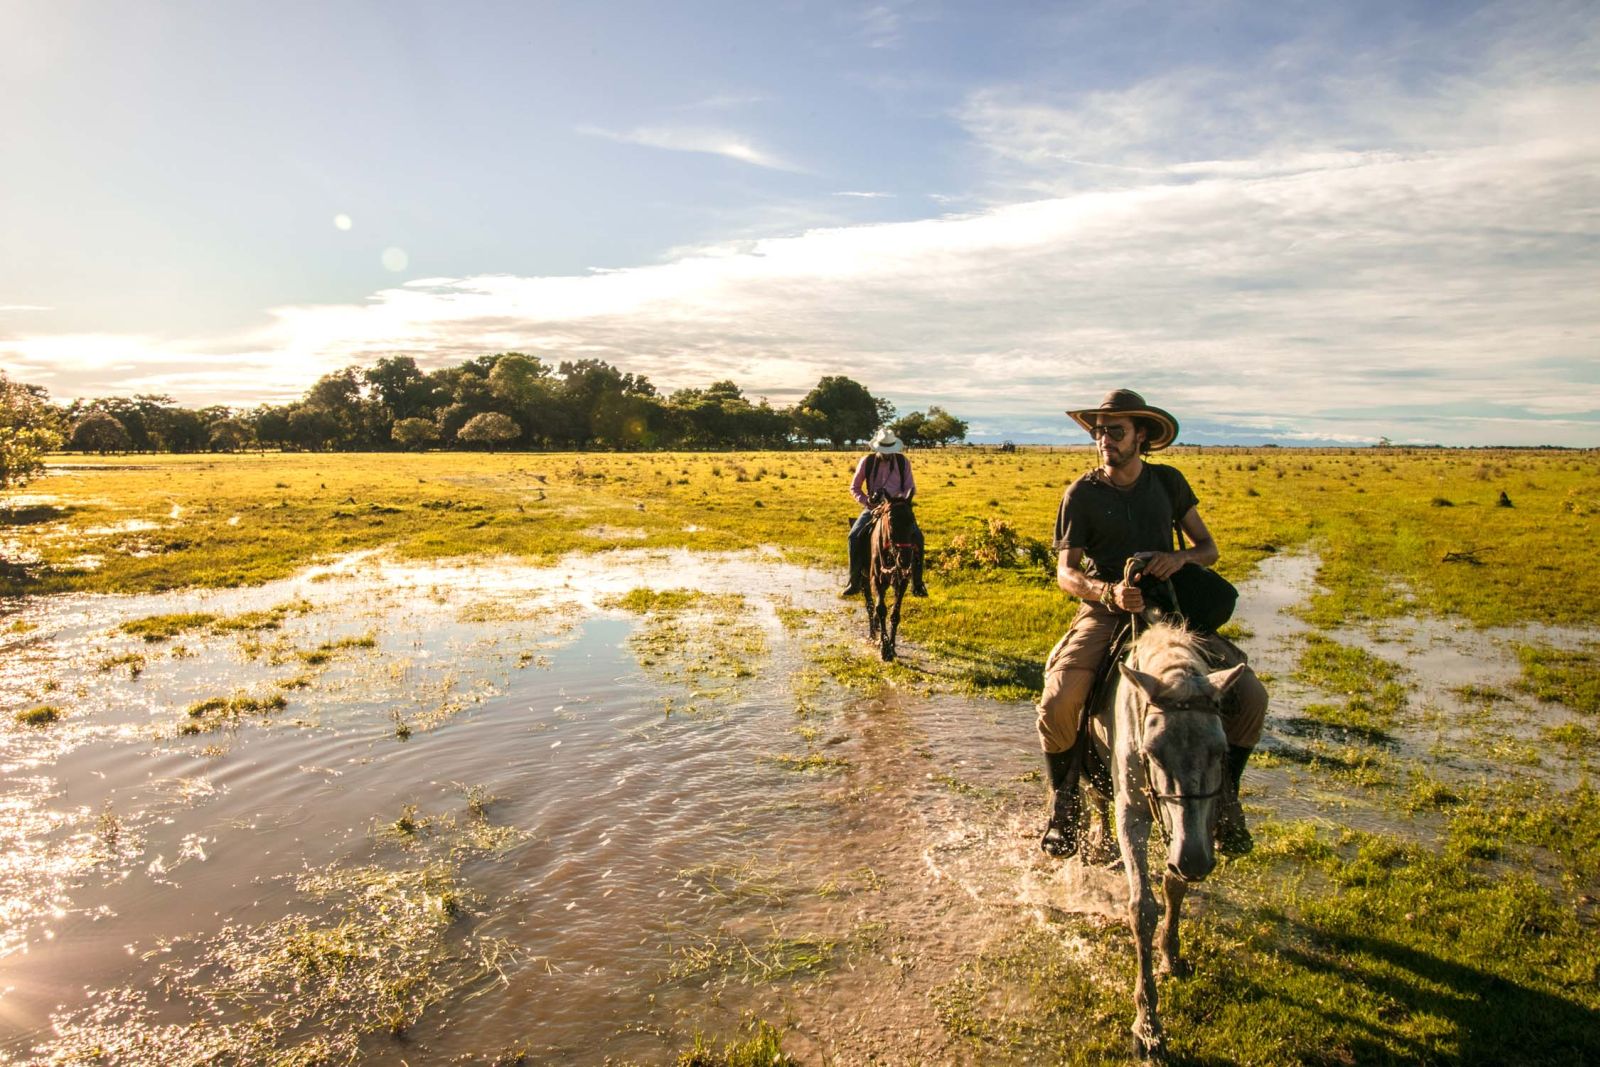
(1170, 653)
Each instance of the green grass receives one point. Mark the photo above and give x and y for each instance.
(155, 628)
(762, 1046)
(1367, 512)
(164, 627)
(1567, 676)
(327, 650)
(214, 712)
(809, 762)
(1373, 689)
(43, 715)
(1464, 933)
(132, 661)
(1329, 945)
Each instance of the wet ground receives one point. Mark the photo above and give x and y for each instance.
(538, 811)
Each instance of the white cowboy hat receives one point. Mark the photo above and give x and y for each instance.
(887, 444)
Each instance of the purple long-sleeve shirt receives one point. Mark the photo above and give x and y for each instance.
(891, 477)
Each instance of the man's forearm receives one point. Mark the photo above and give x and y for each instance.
(1076, 583)
(1205, 553)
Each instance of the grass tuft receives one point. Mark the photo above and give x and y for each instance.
(43, 715)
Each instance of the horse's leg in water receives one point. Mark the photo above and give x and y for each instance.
(880, 589)
(1133, 832)
(892, 632)
(870, 590)
(1172, 962)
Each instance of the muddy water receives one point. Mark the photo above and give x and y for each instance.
(662, 869)
(656, 867)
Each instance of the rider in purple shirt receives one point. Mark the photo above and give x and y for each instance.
(886, 471)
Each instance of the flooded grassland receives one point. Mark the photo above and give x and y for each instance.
(317, 759)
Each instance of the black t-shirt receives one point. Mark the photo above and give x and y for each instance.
(1111, 524)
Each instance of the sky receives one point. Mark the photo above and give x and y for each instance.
(1283, 222)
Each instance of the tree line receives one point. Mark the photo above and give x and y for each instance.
(504, 401)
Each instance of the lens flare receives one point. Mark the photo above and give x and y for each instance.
(395, 259)
(342, 222)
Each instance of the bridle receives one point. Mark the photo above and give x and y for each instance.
(888, 548)
(1200, 704)
(1157, 810)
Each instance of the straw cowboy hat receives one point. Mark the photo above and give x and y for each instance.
(1163, 428)
(887, 444)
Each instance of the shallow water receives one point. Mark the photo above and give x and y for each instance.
(646, 864)
(659, 862)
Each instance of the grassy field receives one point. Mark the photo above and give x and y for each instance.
(1462, 929)
(1398, 532)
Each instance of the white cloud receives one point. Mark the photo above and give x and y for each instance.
(865, 195)
(688, 139)
(880, 25)
(1388, 262)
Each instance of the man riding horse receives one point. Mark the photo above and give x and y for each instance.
(883, 472)
(1122, 508)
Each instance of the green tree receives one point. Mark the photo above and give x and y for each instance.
(943, 428)
(271, 425)
(490, 428)
(26, 432)
(398, 384)
(911, 428)
(518, 380)
(840, 410)
(607, 406)
(312, 427)
(230, 435)
(175, 429)
(414, 434)
(101, 432)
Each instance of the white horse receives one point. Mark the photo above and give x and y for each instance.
(1168, 766)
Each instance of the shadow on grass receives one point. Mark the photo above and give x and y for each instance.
(1473, 1016)
(987, 669)
(1302, 726)
(33, 515)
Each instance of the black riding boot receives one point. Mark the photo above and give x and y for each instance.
(1233, 836)
(858, 567)
(917, 588)
(1061, 836)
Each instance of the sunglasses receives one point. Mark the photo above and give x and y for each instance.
(1115, 433)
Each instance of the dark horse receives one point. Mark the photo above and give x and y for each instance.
(894, 557)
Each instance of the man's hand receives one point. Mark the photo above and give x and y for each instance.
(1127, 597)
(1163, 565)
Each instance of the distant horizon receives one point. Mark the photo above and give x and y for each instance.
(1220, 438)
(1286, 224)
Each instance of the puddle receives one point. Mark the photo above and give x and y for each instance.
(644, 832)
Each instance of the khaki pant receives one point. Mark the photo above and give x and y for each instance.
(1070, 671)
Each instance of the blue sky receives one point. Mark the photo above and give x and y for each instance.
(1288, 222)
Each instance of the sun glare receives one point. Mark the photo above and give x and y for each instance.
(342, 221)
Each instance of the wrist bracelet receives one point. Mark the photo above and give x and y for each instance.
(1105, 595)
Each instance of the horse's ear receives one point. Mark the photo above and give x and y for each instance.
(1147, 683)
(1223, 680)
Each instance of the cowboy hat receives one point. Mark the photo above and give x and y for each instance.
(1163, 428)
(887, 444)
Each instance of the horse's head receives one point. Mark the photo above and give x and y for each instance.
(1184, 750)
(897, 511)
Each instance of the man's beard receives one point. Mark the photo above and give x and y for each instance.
(1116, 459)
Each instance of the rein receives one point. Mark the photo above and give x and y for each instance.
(1151, 796)
(890, 549)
